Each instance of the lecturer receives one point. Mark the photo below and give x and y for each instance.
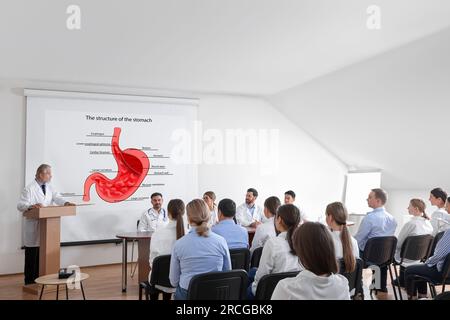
(37, 194)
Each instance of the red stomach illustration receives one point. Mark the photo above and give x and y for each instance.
(133, 165)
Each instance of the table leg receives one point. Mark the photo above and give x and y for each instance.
(143, 257)
(57, 292)
(42, 291)
(67, 293)
(124, 265)
(82, 290)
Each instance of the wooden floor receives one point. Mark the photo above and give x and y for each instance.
(105, 284)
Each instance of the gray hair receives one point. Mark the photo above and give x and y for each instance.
(41, 169)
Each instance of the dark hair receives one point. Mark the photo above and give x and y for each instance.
(339, 213)
(380, 194)
(290, 217)
(438, 193)
(272, 204)
(290, 193)
(227, 207)
(176, 210)
(156, 194)
(252, 190)
(315, 248)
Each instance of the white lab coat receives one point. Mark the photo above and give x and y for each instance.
(440, 220)
(263, 233)
(152, 220)
(308, 286)
(214, 219)
(32, 194)
(417, 226)
(336, 235)
(245, 218)
(276, 258)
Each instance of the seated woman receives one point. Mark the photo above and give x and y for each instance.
(199, 251)
(432, 268)
(278, 253)
(319, 280)
(164, 238)
(346, 247)
(418, 225)
(266, 230)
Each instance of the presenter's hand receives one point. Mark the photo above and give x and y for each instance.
(69, 204)
(36, 206)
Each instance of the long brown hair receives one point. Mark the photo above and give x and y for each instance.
(290, 217)
(198, 213)
(338, 211)
(176, 210)
(315, 248)
(421, 206)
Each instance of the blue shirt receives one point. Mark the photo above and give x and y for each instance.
(194, 254)
(235, 235)
(441, 252)
(378, 223)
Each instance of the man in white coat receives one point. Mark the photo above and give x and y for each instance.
(37, 194)
(249, 214)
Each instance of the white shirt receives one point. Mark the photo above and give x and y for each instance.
(32, 194)
(308, 286)
(152, 220)
(438, 225)
(276, 258)
(336, 235)
(214, 219)
(244, 215)
(417, 226)
(263, 233)
(162, 243)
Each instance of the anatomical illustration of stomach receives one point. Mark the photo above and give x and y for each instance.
(133, 166)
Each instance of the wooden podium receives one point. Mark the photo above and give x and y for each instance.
(50, 238)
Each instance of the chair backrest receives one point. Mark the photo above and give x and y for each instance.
(223, 285)
(267, 284)
(137, 224)
(443, 296)
(160, 271)
(380, 251)
(416, 247)
(354, 278)
(437, 238)
(256, 256)
(240, 259)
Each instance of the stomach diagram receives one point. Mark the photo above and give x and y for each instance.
(133, 166)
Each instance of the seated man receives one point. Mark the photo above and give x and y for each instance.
(235, 235)
(377, 223)
(432, 269)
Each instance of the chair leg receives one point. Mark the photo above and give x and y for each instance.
(392, 280)
(398, 287)
(140, 293)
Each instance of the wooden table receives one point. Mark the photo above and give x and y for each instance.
(143, 239)
(53, 280)
(251, 233)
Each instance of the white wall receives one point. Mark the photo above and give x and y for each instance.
(316, 176)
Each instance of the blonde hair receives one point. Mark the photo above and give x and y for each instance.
(421, 206)
(199, 215)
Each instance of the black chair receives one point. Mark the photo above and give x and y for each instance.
(256, 257)
(240, 259)
(159, 276)
(443, 296)
(224, 285)
(267, 284)
(380, 252)
(437, 238)
(415, 248)
(443, 282)
(354, 278)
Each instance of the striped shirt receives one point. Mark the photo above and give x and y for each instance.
(441, 252)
